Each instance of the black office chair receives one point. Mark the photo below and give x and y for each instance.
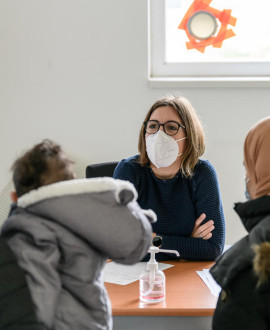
(101, 169)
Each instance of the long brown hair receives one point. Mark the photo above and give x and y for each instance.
(195, 144)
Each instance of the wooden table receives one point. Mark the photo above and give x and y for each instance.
(189, 303)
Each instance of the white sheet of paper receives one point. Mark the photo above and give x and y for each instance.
(209, 281)
(125, 274)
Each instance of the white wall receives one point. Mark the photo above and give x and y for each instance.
(76, 71)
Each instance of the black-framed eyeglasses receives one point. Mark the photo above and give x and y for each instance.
(170, 127)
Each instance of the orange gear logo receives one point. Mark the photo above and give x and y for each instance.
(200, 25)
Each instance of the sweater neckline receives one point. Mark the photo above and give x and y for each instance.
(165, 180)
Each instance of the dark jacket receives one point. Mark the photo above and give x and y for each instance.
(243, 272)
(16, 308)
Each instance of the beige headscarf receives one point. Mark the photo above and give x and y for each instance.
(257, 158)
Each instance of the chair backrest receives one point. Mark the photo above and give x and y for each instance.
(101, 169)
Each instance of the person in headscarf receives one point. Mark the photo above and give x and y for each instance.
(243, 271)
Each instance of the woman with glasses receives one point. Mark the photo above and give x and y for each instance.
(173, 181)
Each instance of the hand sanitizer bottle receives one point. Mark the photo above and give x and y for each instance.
(152, 280)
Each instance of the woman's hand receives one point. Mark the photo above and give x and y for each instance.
(203, 231)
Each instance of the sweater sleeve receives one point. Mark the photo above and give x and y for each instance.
(207, 200)
(125, 171)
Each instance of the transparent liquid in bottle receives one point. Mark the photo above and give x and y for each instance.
(152, 293)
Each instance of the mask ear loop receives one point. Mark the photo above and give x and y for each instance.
(180, 140)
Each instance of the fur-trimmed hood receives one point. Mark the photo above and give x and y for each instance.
(78, 186)
(86, 207)
(124, 191)
(261, 262)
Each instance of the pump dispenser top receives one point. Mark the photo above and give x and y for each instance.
(152, 281)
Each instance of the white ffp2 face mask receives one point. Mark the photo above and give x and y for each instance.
(162, 149)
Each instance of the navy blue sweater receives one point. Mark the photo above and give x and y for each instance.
(178, 202)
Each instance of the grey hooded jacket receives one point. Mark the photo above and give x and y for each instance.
(62, 235)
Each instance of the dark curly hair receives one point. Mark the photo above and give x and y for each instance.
(44, 164)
